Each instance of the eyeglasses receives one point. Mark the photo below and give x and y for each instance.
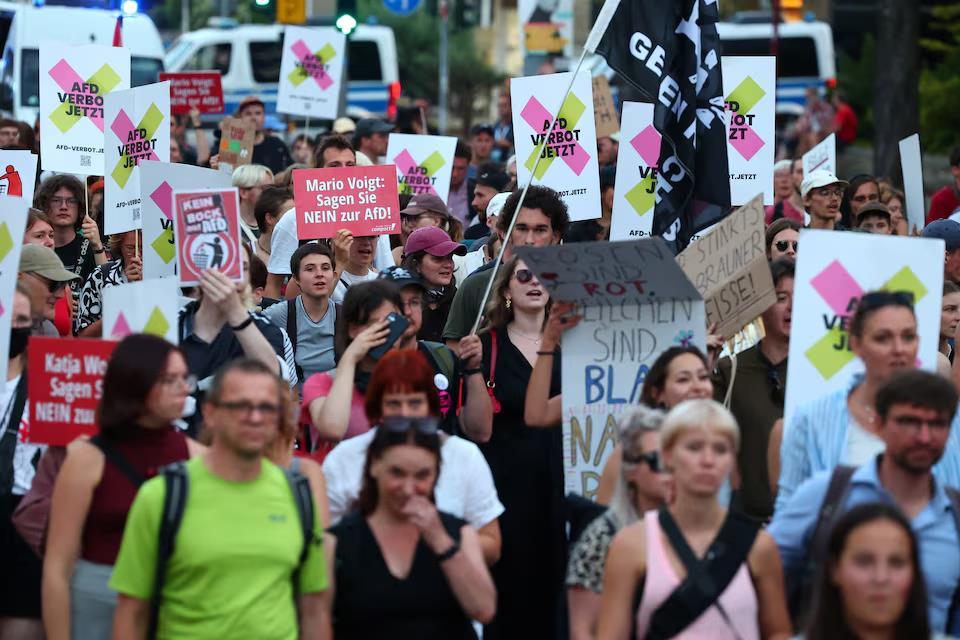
(523, 276)
(827, 192)
(914, 423)
(53, 286)
(400, 424)
(651, 458)
(189, 382)
(246, 408)
(413, 303)
(57, 201)
(782, 245)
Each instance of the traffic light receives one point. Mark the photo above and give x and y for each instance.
(346, 16)
(791, 10)
(466, 13)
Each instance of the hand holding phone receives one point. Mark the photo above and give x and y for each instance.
(397, 325)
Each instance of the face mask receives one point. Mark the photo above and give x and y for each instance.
(18, 340)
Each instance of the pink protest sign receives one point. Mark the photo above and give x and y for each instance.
(362, 200)
(207, 227)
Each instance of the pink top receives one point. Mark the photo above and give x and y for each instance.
(318, 386)
(739, 600)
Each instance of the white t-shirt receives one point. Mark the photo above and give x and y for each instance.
(24, 454)
(346, 281)
(862, 446)
(464, 489)
(284, 242)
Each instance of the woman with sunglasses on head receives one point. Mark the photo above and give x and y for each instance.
(870, 585)
(744, 598)
(145, 387)
(641, 487)
(403, 569)
(526, 463)
(841, 427)
(783, 239)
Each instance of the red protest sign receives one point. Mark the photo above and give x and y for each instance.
(64, 385)
(200, 89)
(362, 200)
(207, 232)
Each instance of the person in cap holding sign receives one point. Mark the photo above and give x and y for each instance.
(370, 138)
(425, 210)
(45, 279)
(268, 150)
(429, 254)
(490, 181)
(949, 232)
(822, 194)
(875, 218)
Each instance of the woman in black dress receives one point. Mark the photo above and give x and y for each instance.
(402, 569)
(527, 464)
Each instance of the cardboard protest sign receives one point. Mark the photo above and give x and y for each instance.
(19, 174)
(138, 129)
(65, 382)
(750, 85)
(207, 232)
(634, 194)
(158, 181)
(568, 160)
(74, 80)
(833, 271)
(604, 111)
(311, 72)
(361, 199)
(424, 163)
(635, 303)
(546, 28)
(147, 306)
(201, 90)
(236, 143)
(12, 226)
(912, 165)
(729, 268)
(823, 156)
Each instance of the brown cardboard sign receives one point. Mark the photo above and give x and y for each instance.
(604, 113)
(728, 266)
(236, 142)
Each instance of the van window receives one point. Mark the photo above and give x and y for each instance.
(796, 56)
(213, 57)
(265, 59)
(363, 60)
(30, 78)
(144, 70)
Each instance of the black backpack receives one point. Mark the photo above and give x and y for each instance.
(177, 486)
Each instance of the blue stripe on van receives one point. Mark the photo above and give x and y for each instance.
(372, 97)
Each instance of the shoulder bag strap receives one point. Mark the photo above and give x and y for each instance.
(292, 334)
(706, 579)
(303, 499)
(174, 502)
(492, 382)
(10, 425)
(832, 501)
(118, 460)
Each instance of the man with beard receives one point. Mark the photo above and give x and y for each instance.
(913, 415)
(822, 193)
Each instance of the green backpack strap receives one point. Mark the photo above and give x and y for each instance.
(303, 499)
(177, 486)
(443, 358)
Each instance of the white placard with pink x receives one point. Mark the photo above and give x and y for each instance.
(310, 72)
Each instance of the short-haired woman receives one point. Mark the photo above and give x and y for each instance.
(429, 253)
(269, 208)
(403, 569)
(144, 390)
(698, 443)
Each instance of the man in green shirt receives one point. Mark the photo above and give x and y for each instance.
(543, 220)
(239, 543)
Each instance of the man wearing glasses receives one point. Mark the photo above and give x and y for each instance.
(822, 193)
(44, 276)
(240, 566)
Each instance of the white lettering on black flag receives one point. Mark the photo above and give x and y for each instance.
(670, 52)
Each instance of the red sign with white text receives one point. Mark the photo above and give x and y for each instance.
(207, 232)
(64, 385)
(362, 200)
(200, 89)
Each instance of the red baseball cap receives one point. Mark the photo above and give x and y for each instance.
(434, 241)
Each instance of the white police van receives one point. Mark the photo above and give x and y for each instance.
(805, 56)
(248, 58)
(31, 26)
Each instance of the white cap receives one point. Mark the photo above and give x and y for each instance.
(817, 179)
(495, 206)
(344, 124)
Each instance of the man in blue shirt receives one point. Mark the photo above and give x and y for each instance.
(914, 410)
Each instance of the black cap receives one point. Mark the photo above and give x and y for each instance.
(876, 208)
(401, 276)
(946, 230)
(481, 128)
(490, 175)
(369, 126)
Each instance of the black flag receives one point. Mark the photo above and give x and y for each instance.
(670, 51)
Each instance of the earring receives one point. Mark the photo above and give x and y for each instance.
(509, 302)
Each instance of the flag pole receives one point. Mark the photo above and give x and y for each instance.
(523, 195)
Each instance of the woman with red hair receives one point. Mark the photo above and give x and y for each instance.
(403, 568)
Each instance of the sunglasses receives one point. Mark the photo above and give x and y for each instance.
(651, 458)
(523, 276)
(878, 299)
(782, 245)
(399, 424)
(53, 286)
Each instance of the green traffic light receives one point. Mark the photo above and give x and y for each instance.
(346, 23)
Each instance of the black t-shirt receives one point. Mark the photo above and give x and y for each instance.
(272, 153)
(77, 257)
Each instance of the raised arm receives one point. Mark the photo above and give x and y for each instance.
(476, 415)
(539, 409)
